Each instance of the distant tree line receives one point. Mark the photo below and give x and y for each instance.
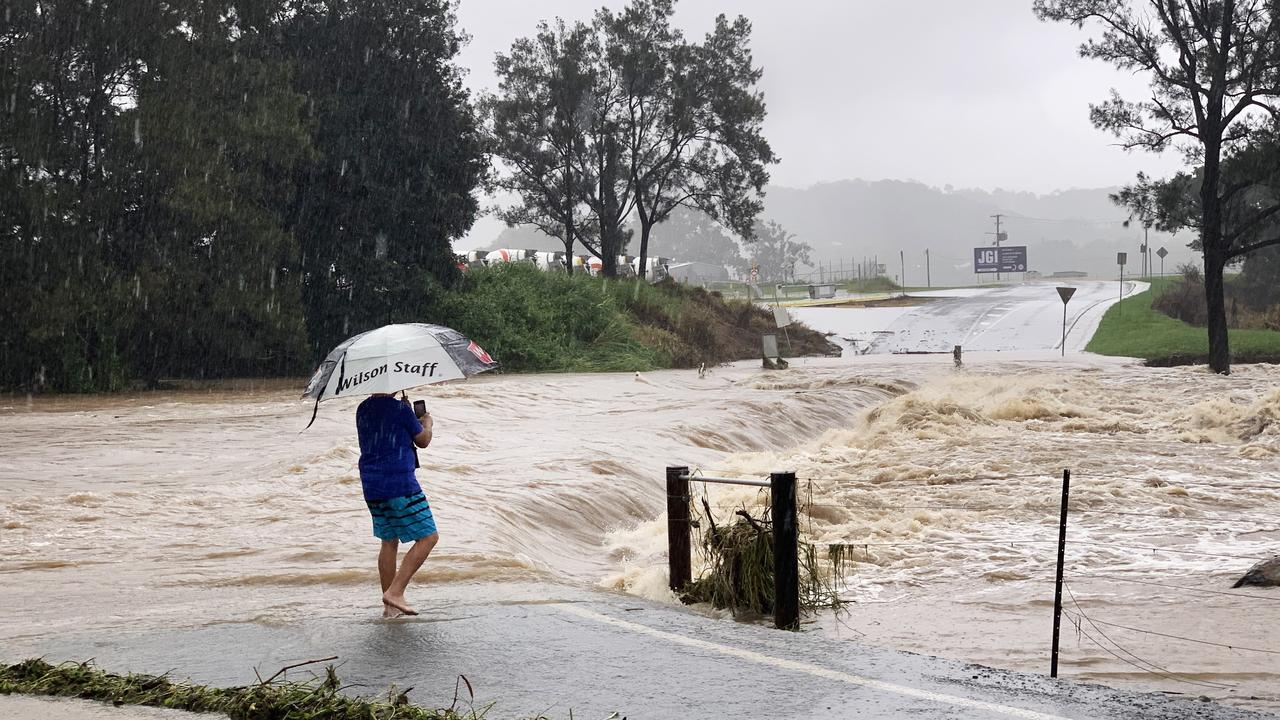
(201, 188)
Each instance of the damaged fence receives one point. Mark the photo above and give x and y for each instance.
(784, 531)
(763, 564)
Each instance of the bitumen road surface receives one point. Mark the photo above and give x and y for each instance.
(1025, 317)
(537, 649)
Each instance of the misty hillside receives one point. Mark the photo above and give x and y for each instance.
(852, 219)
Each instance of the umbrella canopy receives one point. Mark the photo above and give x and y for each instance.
(396, 357)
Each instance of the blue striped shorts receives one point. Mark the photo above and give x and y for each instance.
(405, 518)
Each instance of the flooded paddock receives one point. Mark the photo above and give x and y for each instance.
(188, 509)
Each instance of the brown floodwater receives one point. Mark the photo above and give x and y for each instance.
(214, 506)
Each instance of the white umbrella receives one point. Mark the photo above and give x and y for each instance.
(395, 357)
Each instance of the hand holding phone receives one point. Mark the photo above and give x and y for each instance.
(419, 408)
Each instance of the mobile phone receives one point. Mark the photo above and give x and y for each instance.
(419, 407)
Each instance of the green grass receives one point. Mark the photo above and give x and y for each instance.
(539, 321)
(1132, 328)
(536, 321)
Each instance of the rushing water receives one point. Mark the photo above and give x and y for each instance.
(164, 509)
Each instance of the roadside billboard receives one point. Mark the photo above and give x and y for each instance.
(1007, 259)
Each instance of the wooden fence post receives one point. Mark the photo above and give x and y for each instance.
(679, 556)
(1057, 589)
(786, 551)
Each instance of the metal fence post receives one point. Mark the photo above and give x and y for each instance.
(678, 548)
(786, 557)
(1057, 590)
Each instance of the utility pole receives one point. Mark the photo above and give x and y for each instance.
(902, 262)
(999, 237)
(928, 278)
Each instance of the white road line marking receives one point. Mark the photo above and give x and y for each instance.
(811, 669)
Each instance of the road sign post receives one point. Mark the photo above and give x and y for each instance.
(1161, 253)
(1065, 293)
(1120, 260)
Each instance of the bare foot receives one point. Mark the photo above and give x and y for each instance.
(398, 603)
(390, 612)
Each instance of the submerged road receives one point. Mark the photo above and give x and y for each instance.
(1009, 318)
(549, 650)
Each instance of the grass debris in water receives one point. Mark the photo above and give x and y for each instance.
(318, 698)
(739, 569)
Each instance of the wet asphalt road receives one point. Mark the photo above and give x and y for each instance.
(549, 650)
(1021, 317)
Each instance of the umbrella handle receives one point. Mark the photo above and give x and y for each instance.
(405, 397)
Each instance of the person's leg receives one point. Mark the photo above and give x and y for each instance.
(394, 596)
(387, 570)
(387, 562)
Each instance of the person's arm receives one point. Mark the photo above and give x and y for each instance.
(423, 438)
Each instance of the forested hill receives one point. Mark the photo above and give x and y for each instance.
(1079, 229)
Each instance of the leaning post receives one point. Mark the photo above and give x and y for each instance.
(1057, 588)
(679, 553)
(786, 551)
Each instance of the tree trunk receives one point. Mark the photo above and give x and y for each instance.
(1215, 261)
(645, 228)
(1219, 350)
(610, 246)
(568, 243)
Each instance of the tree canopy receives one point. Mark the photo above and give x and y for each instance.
(596, 124)
(1214, 70)
(188, 189)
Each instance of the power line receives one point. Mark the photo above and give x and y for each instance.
(1179, 483)
(1158, 549)
(1163, 672)
(976, 508)
(1148, 670)
(949, 543)
(1185, 639)
(1205, 591)
(1163, 516)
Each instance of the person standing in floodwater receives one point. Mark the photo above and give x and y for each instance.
(388, 430)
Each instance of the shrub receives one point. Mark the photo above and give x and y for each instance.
(535, 320)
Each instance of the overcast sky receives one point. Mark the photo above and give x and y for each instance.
(971, 93)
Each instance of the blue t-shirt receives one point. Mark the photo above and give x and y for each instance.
(387, 427)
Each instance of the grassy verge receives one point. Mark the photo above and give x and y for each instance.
(319, 698)
(1132, 328)
(535, 321)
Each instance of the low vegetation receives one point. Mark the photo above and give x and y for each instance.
(1136, 327)
(532, 321)
(321, 697)
(872, 285)
(738, 572)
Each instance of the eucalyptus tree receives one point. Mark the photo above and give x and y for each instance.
(690, 115)
(637, 121)
(692, 236)
(776, 251)
(1214, 68)
(536, 131)
(1250, 214)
